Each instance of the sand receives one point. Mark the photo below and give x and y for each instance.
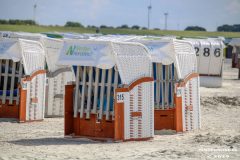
(220, 110)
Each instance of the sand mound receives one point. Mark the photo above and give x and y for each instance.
(217, 139)
(233, 101)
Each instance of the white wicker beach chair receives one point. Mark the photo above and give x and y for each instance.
(174, 67)
(113, 95)
(210, 59)
(22, 61)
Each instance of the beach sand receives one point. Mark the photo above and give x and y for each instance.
(220, 115)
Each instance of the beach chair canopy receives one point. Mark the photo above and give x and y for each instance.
(168, 51)
(25, 35)
(30, 53)
(235, 42)
(132, 59)
(71, 35)
(52, 48)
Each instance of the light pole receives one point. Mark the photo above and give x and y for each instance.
(166, 14)
(149, 9)
(35, 6)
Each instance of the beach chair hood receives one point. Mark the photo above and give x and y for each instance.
(168, 51)
(235, 42)
(23, 50)
(26, 35)
(10, 49)
(132, 59)
(86, 54)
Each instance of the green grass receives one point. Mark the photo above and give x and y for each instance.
(36, 29)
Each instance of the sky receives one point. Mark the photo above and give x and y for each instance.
(181, 13)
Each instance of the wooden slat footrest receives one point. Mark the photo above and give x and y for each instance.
(190, 107)
(35, 100)
(97, 129)
(136, 114)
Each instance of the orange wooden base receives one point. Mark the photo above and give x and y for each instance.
(9, 110)
(164, 119)
(99, 130)
(107, 139)
(91, 128)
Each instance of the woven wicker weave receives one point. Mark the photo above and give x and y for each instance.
(32, 60)
(132, 62)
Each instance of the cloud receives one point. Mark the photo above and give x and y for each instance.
(99, 3)
(80, 13)
(224, 16)
(92, 15)
(234, 7)
(78, 2)
(42, 7)
(162, 21)
(44, 15)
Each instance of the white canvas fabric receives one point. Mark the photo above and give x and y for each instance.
(76, 54)
(10, 50)
(235, 42)
(69, 35)
(161, 52)
(168, 51)
(31, 53)
(26, 35)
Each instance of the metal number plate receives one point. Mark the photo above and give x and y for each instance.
(46, 81)
(120, 97)
(179, 92)
(24, 86)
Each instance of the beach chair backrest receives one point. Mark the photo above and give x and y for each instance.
(52, 48)
(33, 56)
(133, 61)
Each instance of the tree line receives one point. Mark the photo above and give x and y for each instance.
(223, 28)
(195, 28)
(70, 24)
(229, 28)
(18, 22)
(124, 26)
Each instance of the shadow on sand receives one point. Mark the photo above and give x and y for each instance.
(12, 120)
(54, 141)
